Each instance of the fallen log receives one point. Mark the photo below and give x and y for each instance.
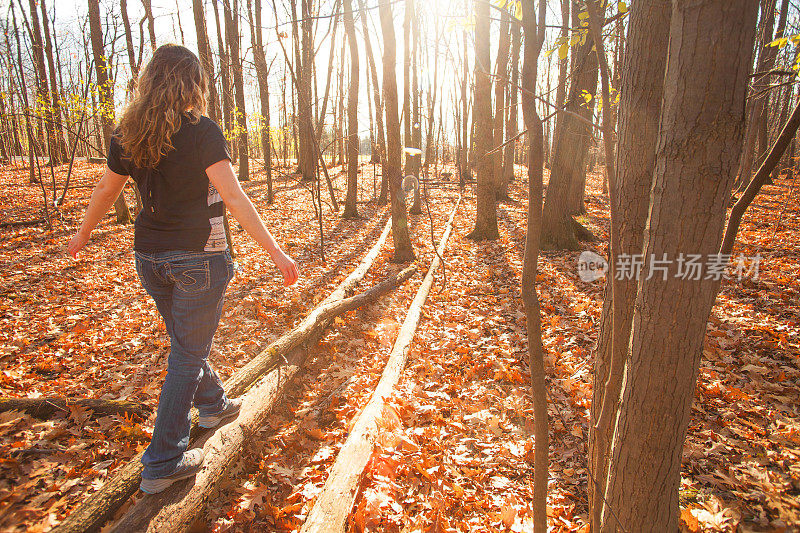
(23, 223)
(101, 505)
(325, 311)
(44, 408)
(177, 508)
(334, 503)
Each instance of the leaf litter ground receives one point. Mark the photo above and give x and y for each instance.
(455, 448)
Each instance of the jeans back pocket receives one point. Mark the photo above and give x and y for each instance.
(190, 275)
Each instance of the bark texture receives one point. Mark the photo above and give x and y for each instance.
(700, 136)
(534, 38)
(572, 136)
(350, 203)
(486, 212)
(639, 111)
(403, 249)
(232, 36)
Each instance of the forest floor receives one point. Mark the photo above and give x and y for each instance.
(455, 452)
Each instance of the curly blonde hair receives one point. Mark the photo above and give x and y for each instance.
(173, 83)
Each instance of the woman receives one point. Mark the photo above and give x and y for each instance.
(181, 165)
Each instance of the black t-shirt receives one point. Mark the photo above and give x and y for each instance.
(181, 209)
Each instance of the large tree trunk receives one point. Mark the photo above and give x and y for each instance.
(105, 92)
(639, 109)
(564, 196)
(350, 203)
(486, 213)
(204, 51)
(232, 36)
(711, 44)
(403, 249)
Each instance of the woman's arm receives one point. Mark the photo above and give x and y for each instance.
(222, 177)
(104, 195)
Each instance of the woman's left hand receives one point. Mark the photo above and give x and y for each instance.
(77, 242)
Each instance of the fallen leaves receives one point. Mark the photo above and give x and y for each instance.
(454, 448)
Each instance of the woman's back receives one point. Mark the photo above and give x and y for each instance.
(181, 209)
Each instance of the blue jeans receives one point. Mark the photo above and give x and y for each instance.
(188, 288)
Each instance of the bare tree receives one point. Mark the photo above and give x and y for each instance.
(403, 249)
(151, 25)
(486, 213)
(384, 194)
(105, 89)
(500, 86)
(232, 37)
(511, 123)
(204, 50)
(564, 196)
(534, 27)
(350, 203)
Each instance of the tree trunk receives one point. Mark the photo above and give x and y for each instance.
(59, 146)
(711, 45)
(640, 104)
(260, 60)
(500, 84)
(564, 196)
(232, 36)
(534, 38)
(42, 91)
(403, 249)
(759, 179)
(204, 51)
(463, 147)
(307, 162)
(759, 94)
(105, 91)
(511, 123)
(225, 77)
(430, 149)
(44, 408)
(384, 194)
(134, 66)
(563, 63)
(350, 203)
(406, 115)
(334, 504)
(486, 213)
(416, 129)
(148, 13)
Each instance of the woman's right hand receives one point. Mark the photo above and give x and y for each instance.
(287, 266)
